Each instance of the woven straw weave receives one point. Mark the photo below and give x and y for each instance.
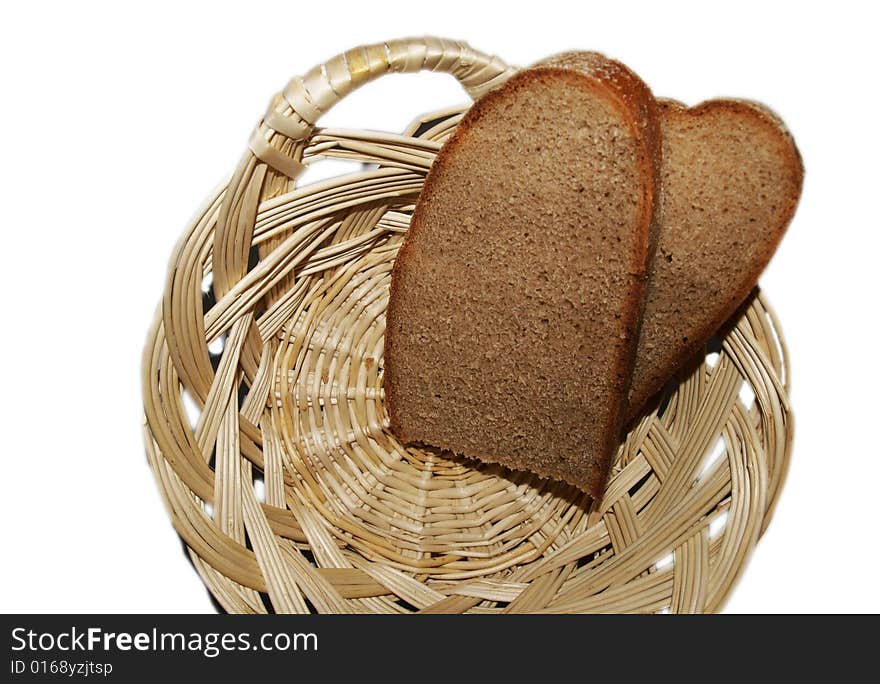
(289, 490)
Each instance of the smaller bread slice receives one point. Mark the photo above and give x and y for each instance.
(731, 180)
(517, 294)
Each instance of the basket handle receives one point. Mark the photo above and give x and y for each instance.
(296, 109)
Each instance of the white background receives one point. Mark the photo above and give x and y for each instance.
(116, 121)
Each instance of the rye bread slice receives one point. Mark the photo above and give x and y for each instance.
(516, 297)
(731, 179)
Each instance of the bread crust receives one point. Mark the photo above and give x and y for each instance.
(643, 389)
(633, 99)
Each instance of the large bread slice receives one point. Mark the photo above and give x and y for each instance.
(517, 294)
(731, 181)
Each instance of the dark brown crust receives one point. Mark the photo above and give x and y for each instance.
(635, 101)
(641, 396)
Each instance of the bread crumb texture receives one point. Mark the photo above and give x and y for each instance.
(731, 180)
(515, 298)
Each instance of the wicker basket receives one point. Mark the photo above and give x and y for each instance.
(287, 487)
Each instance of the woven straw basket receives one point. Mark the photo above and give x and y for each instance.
(288, 489)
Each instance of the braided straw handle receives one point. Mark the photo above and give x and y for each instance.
(296, 109)
(273, 160)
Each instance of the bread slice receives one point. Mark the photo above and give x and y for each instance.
(731, 180)
(517, 294)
